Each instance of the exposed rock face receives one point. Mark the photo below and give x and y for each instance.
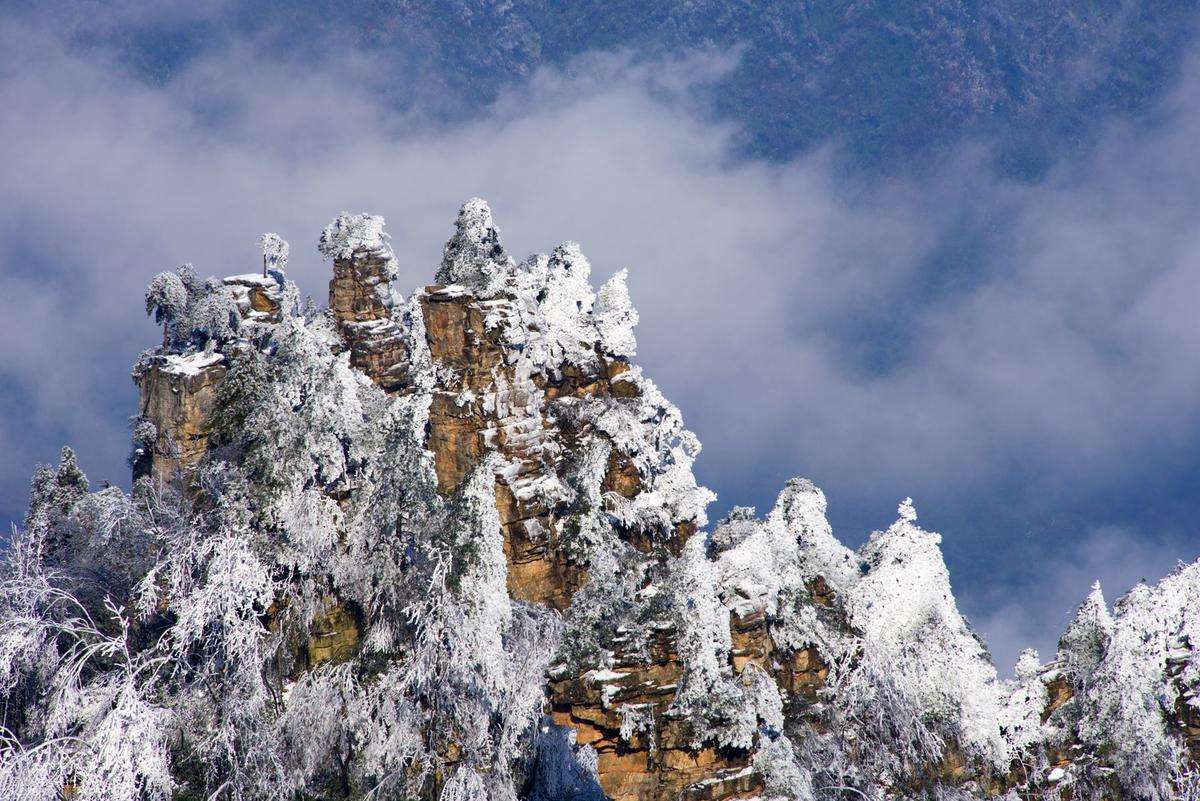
(521, 425)
(177, 392)
(258, 297)
(656, 762)
(516, 365)
(653, 759)
(177, 395)
(334, 636)
(360, 298)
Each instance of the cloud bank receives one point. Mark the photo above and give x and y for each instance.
(1003, 352)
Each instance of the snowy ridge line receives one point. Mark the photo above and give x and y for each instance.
(450, 547)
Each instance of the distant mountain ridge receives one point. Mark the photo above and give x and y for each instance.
(892, 81)
(449, 545)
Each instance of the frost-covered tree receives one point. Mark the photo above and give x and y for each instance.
(212, 316)
(275, 252)
(349, 233)
(166, 299)
(195, 314)
(924, 677)
(563, 770)
(477, 658)
(567, 305)
(1127, 684)
(297, 416)
(616, 316)
(81, 714)
(53, 492)
(770, 565)
(1020, 717)
(474, 257)
(784, 777)
(587, 532)
(1082, 647)
(708, 696)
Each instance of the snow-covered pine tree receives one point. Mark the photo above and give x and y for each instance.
(275, 251)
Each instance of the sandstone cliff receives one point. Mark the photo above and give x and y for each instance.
(469, 545)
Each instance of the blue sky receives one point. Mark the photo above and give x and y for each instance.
(962, 268)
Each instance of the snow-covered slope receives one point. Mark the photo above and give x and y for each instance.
(448, 544)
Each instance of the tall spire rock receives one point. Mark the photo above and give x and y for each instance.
(364, 298)
(474, 258)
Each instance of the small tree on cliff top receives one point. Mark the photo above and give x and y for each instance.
(275, 252)
(166, 299)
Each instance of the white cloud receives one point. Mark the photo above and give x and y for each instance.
(1036, 612)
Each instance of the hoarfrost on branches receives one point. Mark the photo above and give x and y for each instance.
(465, 784)
(912, 629)
(213, 317)
(275, 252)
(1083, 645)
(477, 661)
(707, 695)
(474, 258)
(616, 316)
(799, 514)
(195, 314)
(349, 233)
(1021, 712)
(784, 777)
(650, 433)
(568, 301)
(166, 297)
(1129, 691)
(97, 732)
(562, 769)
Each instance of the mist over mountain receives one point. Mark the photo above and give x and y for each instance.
(892, 82)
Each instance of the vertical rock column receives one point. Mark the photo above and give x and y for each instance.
(481, 403)
(360, 296)
(176, 397)
(486, 324)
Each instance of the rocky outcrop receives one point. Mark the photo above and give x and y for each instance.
(519, 371)
(645, 753)
(258, 297)
(482, 402)
(334, 636)
(177, 396)
(362, 297)
(486, 400)
(178, 391)
(483, 405)
(359, 296)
